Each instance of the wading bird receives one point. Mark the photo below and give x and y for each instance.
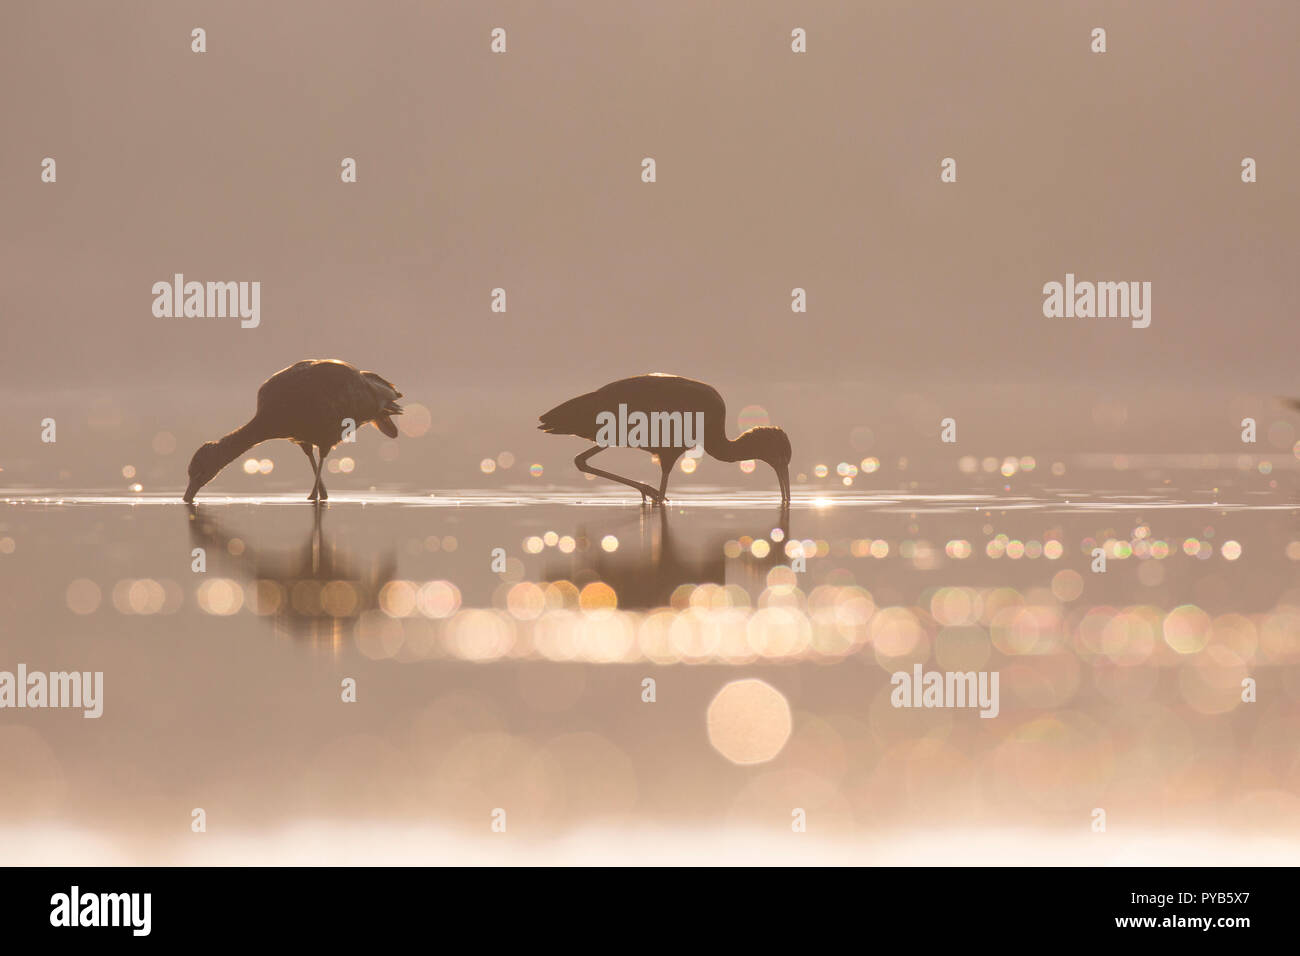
(659, 394)
(309, 403)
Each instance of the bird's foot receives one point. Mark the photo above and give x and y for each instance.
(649, 495)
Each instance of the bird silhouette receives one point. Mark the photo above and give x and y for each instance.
(662, 393)
(308, 403)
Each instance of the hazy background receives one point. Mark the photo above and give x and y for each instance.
(522, 171)
(775, 170)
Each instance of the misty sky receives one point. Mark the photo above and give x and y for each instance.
(775, 170)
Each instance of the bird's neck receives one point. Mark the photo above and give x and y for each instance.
(244, 437)
(716, 442)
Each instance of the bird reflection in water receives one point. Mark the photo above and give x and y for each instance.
(653, 560)
(317, 591)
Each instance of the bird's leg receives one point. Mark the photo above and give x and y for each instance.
(666, 462)
(320, 472)
(581, 462)
(306, 450)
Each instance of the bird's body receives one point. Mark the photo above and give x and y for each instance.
(660, 394)
(657, 391)
(309, 403)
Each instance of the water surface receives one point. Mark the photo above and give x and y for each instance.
(479, 689)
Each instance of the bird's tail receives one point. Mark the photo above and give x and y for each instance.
(560, 419)
(383, 388)
(386, 392)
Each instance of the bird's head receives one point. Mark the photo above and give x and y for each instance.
(205, 464)
(770, 444)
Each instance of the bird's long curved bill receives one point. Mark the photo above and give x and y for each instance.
(190, 491)
(783, 476)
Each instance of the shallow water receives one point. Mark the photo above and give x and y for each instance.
(479, 689)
